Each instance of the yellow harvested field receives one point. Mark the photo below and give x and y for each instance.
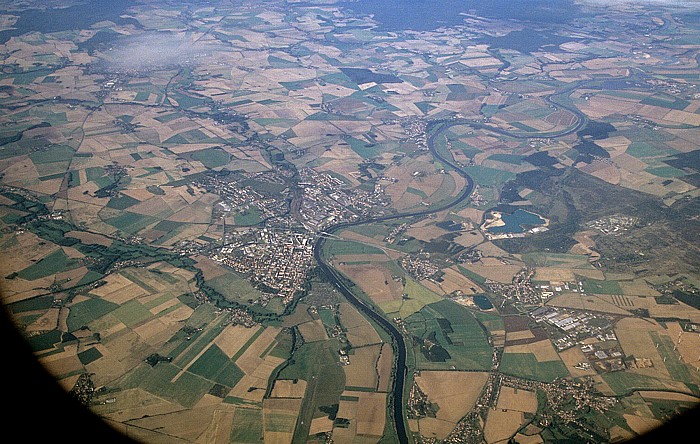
(186, 424)
(221, 424)
(320, 425)
(435, 428)
(249, 388)
(610, 174)
(454, 392)
(473, 214)
(48, 321)
(63, 363)
(425, 233)
(641, 424)
(118, 289)
(543, 350)
(164, 306)
(517, 335)
(155, 332)
(528, 439)
(352, 235)
(180, 314)
(90, 238)
(586, 302)
(363, 335)
(250, 360)
(637, 287)
(501, 425)
(313, 331)
(470, 238)
(453, 280)
(135, 403)
(234, 337)
(282, 405)
(629, 163)
(371, 413)
(634, 338)
(573, 356)
(682, 117)
(496, 272)
(670, 396)
(345, 434)
(375, 280)
(362, 371)
(688, 343)
(680, 310)
(554, 274)
(385, 366)
(288, 388)
(361, 258)
(519, 400)
(351, 318)
(347, 409)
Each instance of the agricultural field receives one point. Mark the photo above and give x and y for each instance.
(447, 336)
(219, 221)
(454, 393)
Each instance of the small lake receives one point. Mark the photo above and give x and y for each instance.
(517, 222)
(482, 302)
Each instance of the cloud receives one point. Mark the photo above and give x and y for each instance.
(157, 49)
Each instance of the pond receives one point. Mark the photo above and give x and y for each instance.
(482, 302)
(518, 222)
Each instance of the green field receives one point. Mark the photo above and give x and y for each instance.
(645, 149)
(525, 365)
(456, 330)
(195, 346)
(488, 177)
(131, 222)
(122, 202)
(249, 217)
(364, 149)
(317, 364)
(556, 259)
(85, 312)
(186, 390)
(280, 422)
(214, 365)
(36, 303)
(55, 262)
(418, 297)
(624, 382)
(212, 157)
(247, 426)
(601, 287)
(90, 355)
(45, 340)
(471, 275)
(666, 172)
(57, 153)
(507, 158)
(234, 288)
(132, 313)
(492, 322)
(678, 370)
(334, 247)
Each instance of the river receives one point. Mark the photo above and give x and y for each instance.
(397, 337)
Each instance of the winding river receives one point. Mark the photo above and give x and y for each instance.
(397, 337)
